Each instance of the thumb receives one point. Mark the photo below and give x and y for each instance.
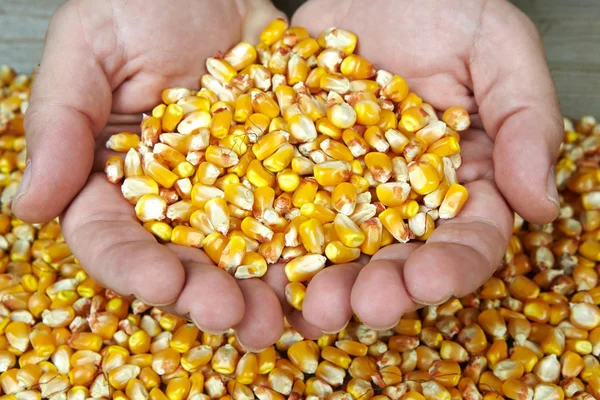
(257, 14)
(70, 102)
(519, 110)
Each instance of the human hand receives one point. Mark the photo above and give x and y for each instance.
(104, 64)
(485, 56)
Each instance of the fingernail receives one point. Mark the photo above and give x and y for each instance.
(209, 331)
(248, 348)
(551, 190)
(384, 328)
(430, 303)
(337, 330)
(24, 185)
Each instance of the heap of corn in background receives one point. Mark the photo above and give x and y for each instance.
(531, 332)
(296, 151)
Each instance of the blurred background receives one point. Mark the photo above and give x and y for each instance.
(570, 30)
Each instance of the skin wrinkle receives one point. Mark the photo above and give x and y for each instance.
(121, 50)
(95, 55)
(456, 234)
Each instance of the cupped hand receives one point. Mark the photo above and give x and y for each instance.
(104, 64)
(483, 55)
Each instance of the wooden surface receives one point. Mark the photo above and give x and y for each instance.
(570, 29)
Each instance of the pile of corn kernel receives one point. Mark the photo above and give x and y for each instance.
(531, 332)
(296, 150)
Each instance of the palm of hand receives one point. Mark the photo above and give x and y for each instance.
(160, 50)
(438, 50)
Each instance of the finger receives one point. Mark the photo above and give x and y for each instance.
(258, 13)
(64, 114)
(100, 227)
(462, 253)
(308, 331)
(262, 324)
(519, 110)
(277, 280)
(326, 305)
(434, 69)
(379, 297)
(211, 297)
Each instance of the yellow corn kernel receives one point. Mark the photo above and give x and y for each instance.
(123, 142)
(222, 157)
(288, 180)
(174, 94)
(325, 127)
(379, 165)
(281, 159)
(323, 198)
(302, 128)
(199, 220)
(367, 112)
(263, 104)
(323, 214)
(313, 80)
(341, 115)
(304, 267)
(232, 254)
(241, 56)
(158, 172)
(457, 118)
(392, 221)
(356, 67)
(85, 341)
(393, 194)
(305, 356)
(253, 265)
(272, 250)
(375, 138)
(256, 230)
(336, 150)
(332, 173)
(344, 197)
(347, 231)
(221, 124)
(396, 89)
(340, 39)
(413, 119)
(218, 214)
(424, 177)
(305, 47)
(305, 193)
(312, 236)
(454, 200)
(412, 100)
(297, 69)
(151, 207)
(373, 231)
(268, 144)
(187, 236)
(114, 169)
(294, 294)
(220, 69)
(258, 175)
(273, 31)
(191, 104)
(173, 115)
(243, 109)
(445, 147)
(338, 253)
